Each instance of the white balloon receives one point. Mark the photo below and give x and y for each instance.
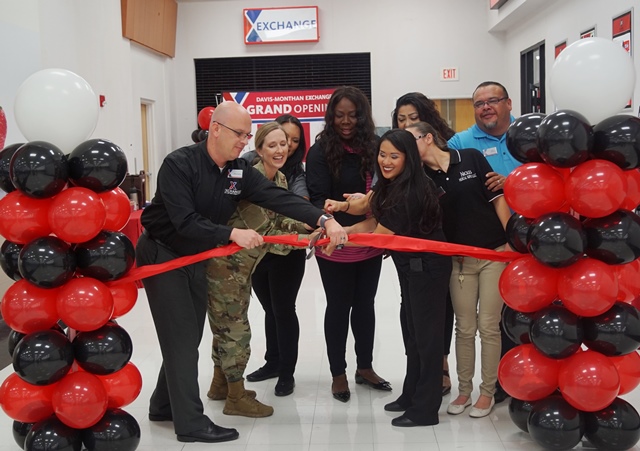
(57, 106)
(593, 76)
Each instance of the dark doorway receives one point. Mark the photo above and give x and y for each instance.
(532, 74)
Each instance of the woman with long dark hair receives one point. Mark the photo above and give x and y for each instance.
(342, 161)
(405, 202)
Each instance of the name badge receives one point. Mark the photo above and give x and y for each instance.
(235, 174)
(490, 151)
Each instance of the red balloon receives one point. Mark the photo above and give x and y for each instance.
(534, 189)
(84, 304)
(125, 296)
(27, 308)
(24, 218)
(117, 207)
(25, 402)
(589, 287)
(588, 381)
(596, 188)
(204, 117)
(79, 400)
(527, 374)
(628, 367)
(123, 386)
(527, 285)
(632, 198)
(77, 215)
(628, 281)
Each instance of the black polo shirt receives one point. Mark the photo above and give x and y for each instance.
(195, 199)
(468, 216)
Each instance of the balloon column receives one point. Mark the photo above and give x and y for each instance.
(60, 219)
(572, 298)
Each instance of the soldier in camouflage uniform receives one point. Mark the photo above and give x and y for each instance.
(229, 283)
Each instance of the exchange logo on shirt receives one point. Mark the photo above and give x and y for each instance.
(466, 175)
(233, 188)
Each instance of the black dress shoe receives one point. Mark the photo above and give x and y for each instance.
(500, 395)
(284, 387)
(262, 374)
(382, 385)
(404, 422)
(342, 396)
(160, 417)
(211, 434)
(394, 406)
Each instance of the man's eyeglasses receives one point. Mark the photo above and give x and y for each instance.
(239, 134)
(491, 102)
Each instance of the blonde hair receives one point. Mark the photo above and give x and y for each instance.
(264, 130)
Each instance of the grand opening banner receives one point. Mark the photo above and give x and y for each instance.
(309, 106)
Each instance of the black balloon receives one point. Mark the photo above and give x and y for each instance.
(518, 231)
(516, 325)
(13, 340)
(104, 350)
(116, 431)
(565, 139)
(108, 256)
(43, 357)
(522, 138)
(617, 139)
(5, 162)
(554, 424)
(616, 427)
(195, 136)
(97, 164)
(20, 431)
(202, 135)
(9, 253)
(53, 434)
(47, 262)
(614, 239)
(557, 240)
(556, 332)
(39, 169)
(519, 412)
(615, 332)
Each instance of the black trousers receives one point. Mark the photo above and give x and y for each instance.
(178, 303)
(350, 289)
(424, 297)
(276, 282)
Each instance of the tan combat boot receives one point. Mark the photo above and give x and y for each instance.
(240, 403)
(219, 390)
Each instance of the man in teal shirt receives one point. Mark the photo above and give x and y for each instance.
(492, 108)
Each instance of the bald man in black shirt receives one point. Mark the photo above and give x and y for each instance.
(198, 189)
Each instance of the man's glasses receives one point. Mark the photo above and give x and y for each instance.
(491, 102)
(239, 134)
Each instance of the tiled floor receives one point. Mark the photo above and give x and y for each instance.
(310, 419)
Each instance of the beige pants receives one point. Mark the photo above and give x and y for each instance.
(477, 305)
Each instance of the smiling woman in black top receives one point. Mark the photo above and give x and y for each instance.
(405, 202)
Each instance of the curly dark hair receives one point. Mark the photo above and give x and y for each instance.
(427, 111)
(391, 193)
(365, 140)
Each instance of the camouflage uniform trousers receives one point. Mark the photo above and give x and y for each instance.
(229, 291)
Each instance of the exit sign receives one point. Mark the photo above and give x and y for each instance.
(449, 74)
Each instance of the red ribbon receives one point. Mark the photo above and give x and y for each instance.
(391, 242)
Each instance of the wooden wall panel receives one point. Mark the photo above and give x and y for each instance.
(151, 23)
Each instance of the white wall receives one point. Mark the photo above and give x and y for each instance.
(410, 42)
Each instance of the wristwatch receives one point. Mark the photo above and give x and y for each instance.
(324, 218)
